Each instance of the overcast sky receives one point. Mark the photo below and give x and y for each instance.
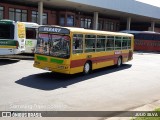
(151, 2)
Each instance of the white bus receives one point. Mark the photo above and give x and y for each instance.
(17, 37)
(12, 37)
(31, 34)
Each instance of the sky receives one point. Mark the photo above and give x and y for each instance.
(151, 2)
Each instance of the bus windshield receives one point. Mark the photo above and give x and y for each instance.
(6, 31)
(53, 45)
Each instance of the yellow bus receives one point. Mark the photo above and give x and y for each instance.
(73, 50)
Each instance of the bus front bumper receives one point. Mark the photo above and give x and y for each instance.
(56, 68)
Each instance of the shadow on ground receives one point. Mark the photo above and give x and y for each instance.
(51, 81)
(8, 61)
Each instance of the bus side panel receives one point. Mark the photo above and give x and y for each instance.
(30, 45)
(147, 45)
(99, 59)
(6, 51)
(76, 70)
(103, 59)
(103, 64)
(110, 58)
(7, 47)
(127, 55)
(77, 62)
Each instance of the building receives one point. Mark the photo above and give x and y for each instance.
(106, 15)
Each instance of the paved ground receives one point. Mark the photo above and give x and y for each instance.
(23, 87)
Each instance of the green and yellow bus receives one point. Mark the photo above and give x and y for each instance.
(17, 37)
(73, 50)
(12, 37)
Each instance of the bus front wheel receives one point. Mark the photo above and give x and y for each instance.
(119, 62)
(87, 68)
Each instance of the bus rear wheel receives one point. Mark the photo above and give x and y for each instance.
(119, 62)
(87, 68)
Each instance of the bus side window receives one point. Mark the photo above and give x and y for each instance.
(90, 43)
(77, 43)
(100, 43)
(118, 43)
(30, 33)
(110, 43)
(129, 43)
(124, 44)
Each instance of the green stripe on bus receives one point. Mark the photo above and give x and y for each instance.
(7, 42)
(6, 21)
(56, 61)
(42, 58)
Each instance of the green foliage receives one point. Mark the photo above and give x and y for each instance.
(148, 118)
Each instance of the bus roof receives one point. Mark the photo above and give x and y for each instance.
(79, 30)
(27, 24)
(31, 24)
(6, 21)
(134, 31)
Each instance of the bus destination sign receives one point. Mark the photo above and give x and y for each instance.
(53, 30)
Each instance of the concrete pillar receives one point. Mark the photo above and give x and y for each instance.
(128, 23)
(95, 21)
(40, 12)
(152, 26)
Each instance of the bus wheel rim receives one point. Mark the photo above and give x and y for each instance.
(86, 67)
(119, 61)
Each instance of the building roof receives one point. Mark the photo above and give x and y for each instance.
(136, 9)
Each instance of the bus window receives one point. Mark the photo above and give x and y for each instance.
(156, 37)
(77, 43)
(6, 31)
(129, 43)
(124, 43)
(30, 33)
(118, 43)
(90, 43)
(100, 43)
(60, 46)
(144, 36)
(42, 44)
(110, 43)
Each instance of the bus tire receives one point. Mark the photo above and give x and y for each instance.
(119, 61)
(87, 68)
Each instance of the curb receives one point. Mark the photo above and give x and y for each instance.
(148, 107)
